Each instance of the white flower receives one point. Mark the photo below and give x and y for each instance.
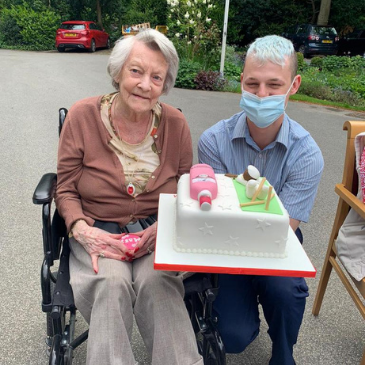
(210, 6)
(172, 10)
(189, 42)
(168, 2)
(178, 22)
(177, 35)
(208, 20)
(186, 15)
(191, 21)
(199, 15)
(188, 4)
(204, 1)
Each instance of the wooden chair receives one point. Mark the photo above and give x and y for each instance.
(347, 192)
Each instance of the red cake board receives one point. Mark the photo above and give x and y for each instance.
(296, 264)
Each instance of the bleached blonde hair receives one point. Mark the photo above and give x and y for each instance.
(275, 49)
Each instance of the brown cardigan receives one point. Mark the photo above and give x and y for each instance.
(91, 183)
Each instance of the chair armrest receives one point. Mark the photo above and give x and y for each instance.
(45, 189)
(350, 199)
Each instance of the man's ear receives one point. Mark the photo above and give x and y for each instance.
(296, 85)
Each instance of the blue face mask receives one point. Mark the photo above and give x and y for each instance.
(263, 111)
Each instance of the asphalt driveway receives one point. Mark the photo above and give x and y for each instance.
(33, 86)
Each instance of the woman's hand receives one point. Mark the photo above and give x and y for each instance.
(147, 242)
(99, 243)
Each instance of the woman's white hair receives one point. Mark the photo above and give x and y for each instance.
(275, 49)
(154, 40)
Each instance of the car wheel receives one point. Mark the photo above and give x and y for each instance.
(92, 46)
(108, 43)
(302, 50)
(61, 49)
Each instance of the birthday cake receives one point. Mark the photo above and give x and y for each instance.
(238, 222)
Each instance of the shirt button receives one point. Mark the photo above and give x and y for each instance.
(148, 190)
(155, 136)
(153, 176)
(159, 151)
(131, 215)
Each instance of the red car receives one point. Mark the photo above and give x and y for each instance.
(81, 34)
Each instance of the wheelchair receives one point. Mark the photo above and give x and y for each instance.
(57, 297)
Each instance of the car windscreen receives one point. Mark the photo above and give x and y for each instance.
(72, 26)
(323, 31)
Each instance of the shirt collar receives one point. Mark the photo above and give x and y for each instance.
(241, 131)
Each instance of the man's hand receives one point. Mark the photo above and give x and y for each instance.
(147, 242)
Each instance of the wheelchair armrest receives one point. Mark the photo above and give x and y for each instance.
(45, 189)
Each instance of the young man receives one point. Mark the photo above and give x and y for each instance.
(285, 153)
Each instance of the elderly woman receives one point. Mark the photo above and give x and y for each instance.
(117, 153)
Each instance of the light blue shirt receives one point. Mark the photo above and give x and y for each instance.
(293, 163)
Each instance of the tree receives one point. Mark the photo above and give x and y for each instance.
(249, 19)
(324, 12)
(144, 11)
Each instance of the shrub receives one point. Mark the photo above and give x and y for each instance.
(232, 86)
(209, 80)
(335, 63)
(194, 34)
(317, 62)
(29, 29)
(187, 73)
(347, 97)
(9, 29)
(232, 71)
(301, 63)
(315, 89)
(358, 63)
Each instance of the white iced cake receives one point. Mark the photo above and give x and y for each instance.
(227, 228)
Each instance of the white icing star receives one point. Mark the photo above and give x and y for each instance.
(206, 229)
(261, 223)
(224, 194)
(179, 243)
(281, 242)
(225, 206)
(225, 182)
(232, 241)
(186, 204)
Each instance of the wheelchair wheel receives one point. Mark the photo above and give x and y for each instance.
(211, 348)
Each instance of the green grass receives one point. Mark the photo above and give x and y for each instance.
(309, 99)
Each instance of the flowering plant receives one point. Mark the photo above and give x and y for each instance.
(195, 35)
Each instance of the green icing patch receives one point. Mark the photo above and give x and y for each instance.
(274, 207)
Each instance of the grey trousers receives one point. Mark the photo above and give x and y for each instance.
(108, 300)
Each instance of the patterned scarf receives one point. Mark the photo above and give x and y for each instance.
(362, 174)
